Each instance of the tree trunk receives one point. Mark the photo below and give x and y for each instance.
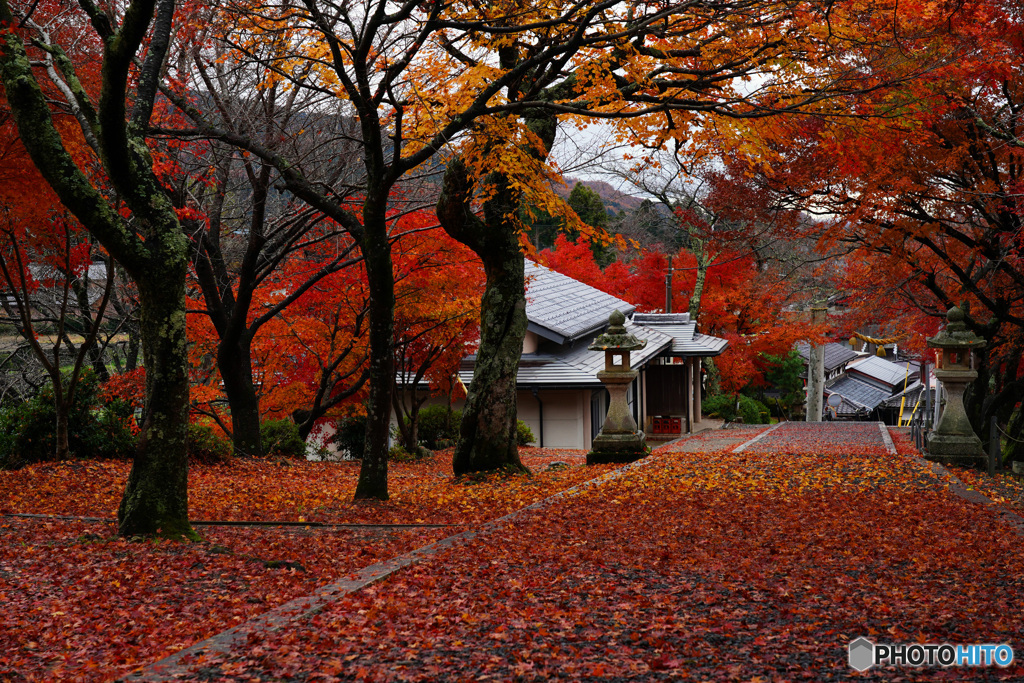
(703, 262)
(235, 365)
(373, 471)
(156, 497)
(487, 436)
(62, 408)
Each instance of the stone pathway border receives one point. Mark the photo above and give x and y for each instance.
(887, 438)
(744, 446)
(240, 523)
(176, 666)
(958, 488)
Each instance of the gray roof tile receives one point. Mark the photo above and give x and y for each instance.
(563, 309)
(686, 341)
(859, 393)
(835, 354)
(577, 366)
(884, 371)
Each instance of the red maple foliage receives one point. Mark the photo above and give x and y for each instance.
(738, 303)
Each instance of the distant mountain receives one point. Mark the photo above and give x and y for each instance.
(613, 199)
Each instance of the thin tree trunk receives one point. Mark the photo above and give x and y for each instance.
(373, 470)
(62, 408)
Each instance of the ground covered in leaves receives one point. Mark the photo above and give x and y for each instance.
(80, 603)
(699, 564)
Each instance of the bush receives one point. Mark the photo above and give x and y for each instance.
(723, 407)
(399, 454)
(524, 435)
(94, 430)
(205, 445)
(753, 411)
(350, 435)
(281, 437)
(438, 426)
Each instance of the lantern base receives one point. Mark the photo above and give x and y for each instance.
(617, 448)
(961, 450)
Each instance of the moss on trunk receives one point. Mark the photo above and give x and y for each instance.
(156, 497)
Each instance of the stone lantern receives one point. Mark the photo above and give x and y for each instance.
(953, 441)
(619, 439)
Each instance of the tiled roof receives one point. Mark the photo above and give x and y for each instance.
(835, 354)
(858, 394)
(686, 341)
(884, 371)
(563, 309)
(914, 393)
(577, 366)
(572, 313)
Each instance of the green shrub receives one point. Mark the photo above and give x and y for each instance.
(205, 445)
(723, 407)
(524, 435)
(350, 435)
(753, 411)
(94, 431)
(399, 454)
(281, 437)
(438, 426)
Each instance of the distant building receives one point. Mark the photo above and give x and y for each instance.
(837, 357)
(866, 385)
(559, 395)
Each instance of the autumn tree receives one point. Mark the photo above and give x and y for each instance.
(929, 196)
(47, 273)
(741, 302)
(423, 76)
(664, 72)
(241, 237)
(102, 67)
(437, 323)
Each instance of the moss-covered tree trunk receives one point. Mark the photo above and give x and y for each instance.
(156, 496)
(487, 436)
(152, 247)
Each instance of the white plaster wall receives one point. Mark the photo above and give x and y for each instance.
(566, 423)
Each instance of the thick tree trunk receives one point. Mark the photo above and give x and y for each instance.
(235, 366)
(152, 249)
(487, 436)
(156, 496)
(373, 471)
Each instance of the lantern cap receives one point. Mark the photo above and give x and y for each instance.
(956, 335)
(616, 337)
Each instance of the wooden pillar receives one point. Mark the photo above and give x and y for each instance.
(696, 390)
(688, 390)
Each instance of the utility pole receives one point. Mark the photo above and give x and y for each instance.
(816, 370)
(668, 287)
